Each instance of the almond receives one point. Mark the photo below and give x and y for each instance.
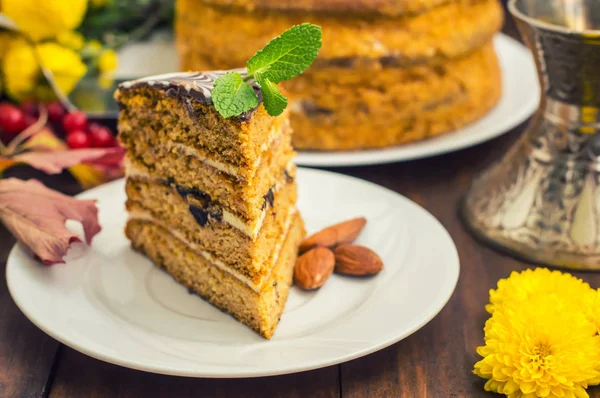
(313, 268)
(345, 232)
(324, 238)
(356, 260)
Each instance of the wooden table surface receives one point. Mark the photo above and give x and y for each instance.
(436, 361)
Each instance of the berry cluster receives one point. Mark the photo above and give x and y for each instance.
(78, 132)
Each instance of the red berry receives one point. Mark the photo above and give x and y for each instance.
(93, 127)
(100, 136)
(30, 120)
(30, 108)
(75, 121)
(55, 112)
(12, 119)
(78, 139)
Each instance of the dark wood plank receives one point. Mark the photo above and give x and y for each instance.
(81, 376)
(438, 360)
(26, 353)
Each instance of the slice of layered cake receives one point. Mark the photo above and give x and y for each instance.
(212, 200)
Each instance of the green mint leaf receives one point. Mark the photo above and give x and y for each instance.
(275, 103)
(288, 55)
(232, 96)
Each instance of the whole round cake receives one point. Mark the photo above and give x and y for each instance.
(390, 71)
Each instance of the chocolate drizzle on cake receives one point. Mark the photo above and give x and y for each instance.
(183, 85)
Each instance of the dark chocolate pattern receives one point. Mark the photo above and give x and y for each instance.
(204, 209)
(203, 214)
(200, 215)
(186, 85)
(195, 192)
(269, 198)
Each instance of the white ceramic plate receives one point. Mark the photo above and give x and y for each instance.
(520, 98)
(113, 304)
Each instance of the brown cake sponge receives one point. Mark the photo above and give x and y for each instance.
(383, 7)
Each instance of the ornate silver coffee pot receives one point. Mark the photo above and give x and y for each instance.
(541, 201)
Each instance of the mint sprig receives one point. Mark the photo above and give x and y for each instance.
(275, 102)
(283, 58)
(232, 96)
(286, 56)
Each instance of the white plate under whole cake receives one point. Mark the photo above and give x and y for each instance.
(520, 98)
(111, 303)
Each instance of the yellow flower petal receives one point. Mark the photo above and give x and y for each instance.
(20, 69)
(71, 39)
(65, 64)
(108, 61)
(510, 387)
(45, 19)
(23, 75)
(543, 391)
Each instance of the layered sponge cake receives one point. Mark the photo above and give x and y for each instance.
(390, 71)
(211, 200)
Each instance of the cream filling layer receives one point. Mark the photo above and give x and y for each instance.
(139, 215)
(251, 228)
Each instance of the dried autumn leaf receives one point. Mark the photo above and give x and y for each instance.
(54, 162)
(5, 164)
(36, 216)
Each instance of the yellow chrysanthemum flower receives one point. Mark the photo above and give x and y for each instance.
(107, 62)
(45, 19)
(539, 349)
(592, 308)
(23, 75)
(520, 287)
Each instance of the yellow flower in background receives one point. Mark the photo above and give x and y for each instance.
(65, 64)
(107, 62)
(6, 39)
(20, 69)
(539, 349)
(521, 287)
(93, 47)
(45, 19)
(71, 39)
(23, 75)
(105, 81)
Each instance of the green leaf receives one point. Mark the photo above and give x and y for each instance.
(232, 96)
(275, 102)
(288, 55)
